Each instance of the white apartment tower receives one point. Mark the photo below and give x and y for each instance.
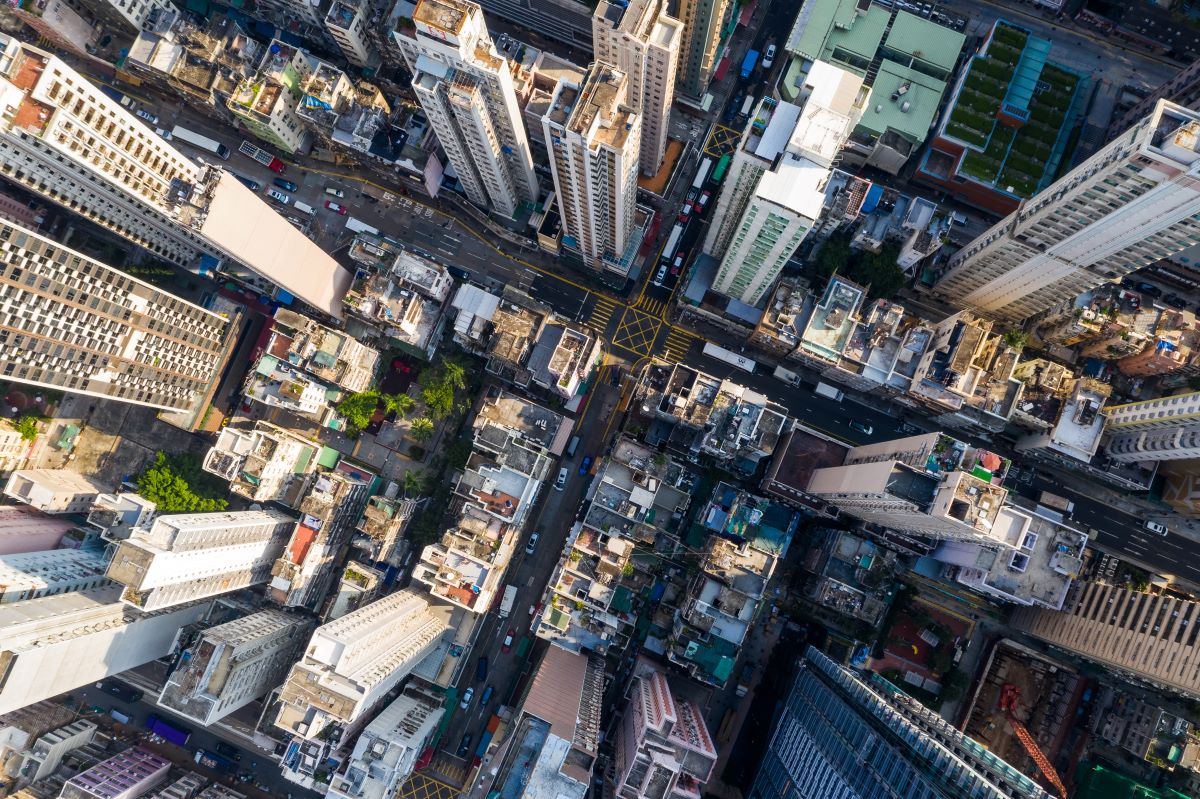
(1134, 202)
(466, 87)
(641, 40)
(130, 15)
(347, 23)
(30, 575)
(198, 555)
(775, 191)
(350, 664)
(235, 663)
(593, 135)
(55, 644)
(70, 322)
(1164, 429)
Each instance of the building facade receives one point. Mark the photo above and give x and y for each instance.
(703, 26)
(593, 134)
(23, 529)
(465, 86)
(233, 664)
(840, 735)
(1134, 202)
(643, 41)
(36, 574)
(1163, 429)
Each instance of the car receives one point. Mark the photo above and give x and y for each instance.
(861, 427)
(147, 115)
(705, 196)
(1175, 301)
(769, 57)
(286, 185)
(685, 214)
(531, 545)
(337, 209)
(506, 647)
(561, 482)
(1155, 527)
(481, 670)
(465, 746)
(1150, 290)
(586, 465)
(330, 190)
(691, 196)
(165, 134)
(677, 264)
(660, 275)
(278, 196)
(228, 750)
(487, 695)
(467, 697)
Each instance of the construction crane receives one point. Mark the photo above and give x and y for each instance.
(1009, 694)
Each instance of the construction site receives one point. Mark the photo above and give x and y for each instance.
(1023, 709)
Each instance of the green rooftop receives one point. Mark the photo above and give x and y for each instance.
(923, 96)
(930, 47)
(821, 19)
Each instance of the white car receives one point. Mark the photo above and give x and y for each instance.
(769, 58)
(1155, 527)
(278, 196)
(166, 134)
(561, 482)
(467, 697)
(146, 115)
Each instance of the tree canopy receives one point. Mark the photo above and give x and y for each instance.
(877, 271)
(357, 409)
(177, 484)
(26, 425)
(440, 386)
(421, 429)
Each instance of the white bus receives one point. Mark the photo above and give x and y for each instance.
(355, 226)
(202, 142)
(730, 357)
(672, 242)
(702, 174)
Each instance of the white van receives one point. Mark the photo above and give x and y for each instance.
(332, 192)
(278, 196)
(304, 208)
(561, 482)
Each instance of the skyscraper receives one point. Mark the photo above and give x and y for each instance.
(775, 191)
(185, 557)
(1164, 429)
(466, 87)
(641, 40)
(703, 21)
(854, 738)
(71, 144)
(1134, 202)
(29, 575)
(70, 322)
(593, 135)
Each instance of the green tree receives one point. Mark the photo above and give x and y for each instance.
(878, 270)
(454, 375)
(357, 409)
(834, 255)
(26, 425)
(439, 400)
(401, 404)
(421, 430)
(176, 484)
(1017, 339)
(413, 482)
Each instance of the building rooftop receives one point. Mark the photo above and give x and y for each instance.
(531, 421)
(599, 113)
(902, 100)
(833, 320)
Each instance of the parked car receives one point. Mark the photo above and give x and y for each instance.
(166, 134)
(661, 275)
(506, 646)
(677, 264)
(1150, 290)
(286, 185)
(487, 695)
(481, 670)
(467, 697)
(586, 465)
(228, 750)
(861, 427)
(337, 209)
(330, 190)
(769, 57)
(531, 544)
(465, 746)
(1155, 527)
(278, 196)
(561, 482)
(147, 115)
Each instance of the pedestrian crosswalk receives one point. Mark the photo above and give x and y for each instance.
(602, 312)
(452, 771)
(676, 344)
(650, 305)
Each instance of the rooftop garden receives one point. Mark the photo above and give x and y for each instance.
(1034, 144)
(974, 114)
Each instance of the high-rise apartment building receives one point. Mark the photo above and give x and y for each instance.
(23, 529)
(641, 40)
(775, 190)
(854, 738)
(1163, 429)
(70, 322)
(53, 490)
(703, 23)
(233, 664)
(1150, 635)
(347, 23)
(350, 664)
(129, 16)
(1183, 88)
(1134, 202)
(663, 746)
(198, 555)
(55, 644)
(30, 575)
(71, 144)
(466, 87)
(593, 135)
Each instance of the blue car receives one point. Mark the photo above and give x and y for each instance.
(586, 465)
(286, 185)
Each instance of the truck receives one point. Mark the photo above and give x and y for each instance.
(358, 226)
(787, 376)
(485, 740)
(214, 761)
(702, 173)
(263, 157)
(730, 357)
(304, 208)
(749, 63)
(122, 691)
(167, 731)
(112, 93)
(829, 392)
(200, 142)
(119, 716)
(747, 105)
(1055, 501)
(510, 596)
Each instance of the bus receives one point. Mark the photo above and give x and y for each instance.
(672, 242)
(702, 174)
(201, 142)
(722, 165)
(730, 357)
(169, 732)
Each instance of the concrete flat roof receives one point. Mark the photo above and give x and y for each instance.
(241, 223)
(797, 184)
(923, 96)
(925, 40)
